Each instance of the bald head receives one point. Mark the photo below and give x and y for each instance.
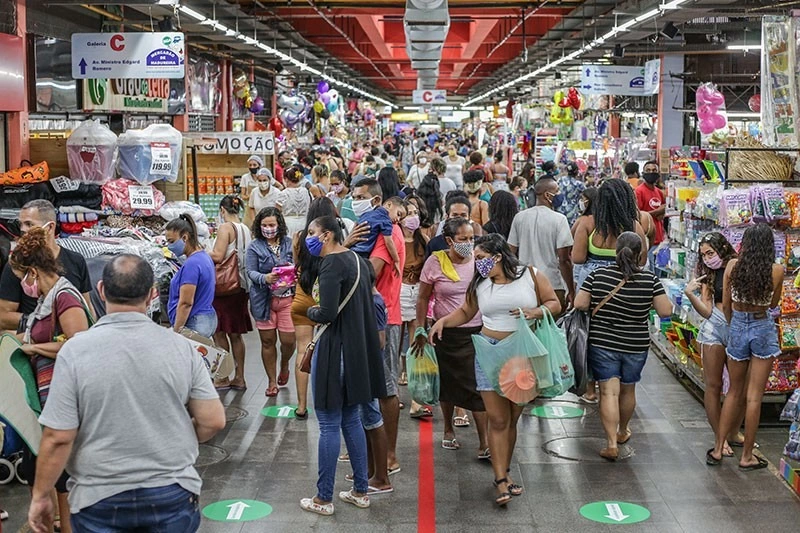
(127, 280)
(544, 186)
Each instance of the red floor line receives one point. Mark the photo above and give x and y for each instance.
(426, 506)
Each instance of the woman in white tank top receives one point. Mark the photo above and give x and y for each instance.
(500, 287)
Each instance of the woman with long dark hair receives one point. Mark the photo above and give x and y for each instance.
(430, 193)
(620, 297)
(503, 207)
(427, 227)
(271, 301)
(715, 254)
(500, 286)
(752, 285)
(595, 234)
(389, 182)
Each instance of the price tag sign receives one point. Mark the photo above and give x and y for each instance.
(141, 197)
(161, 159)
(64, 184)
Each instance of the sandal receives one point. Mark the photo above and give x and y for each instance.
(504, 497)
(271, 392)
(588, 400)
(737, 444)
(461, 421)
(308, 504)
(393, 471)
(403, 379)
(283, 378)
(423, 412)
(401, 405)
(514, 488)
(610, 454)
(711, 460)
(344, 458)
(762, 463)
(622, 438)
(485, 455)
(451, 444)
(301, 416)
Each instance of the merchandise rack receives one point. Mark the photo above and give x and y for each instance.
(728, 151)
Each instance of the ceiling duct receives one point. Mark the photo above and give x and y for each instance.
(426, 24)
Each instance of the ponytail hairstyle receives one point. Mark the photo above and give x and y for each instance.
(232, 205)
(293, 174)
(629, 250)
(184, 225)
(330, 224)
(495, 244)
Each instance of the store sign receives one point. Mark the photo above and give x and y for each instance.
(141, 197)
(143, 95)
(128, 55)
(432, 96)
(652, 76)
(409, 117)
(249, 142)
(611, 79)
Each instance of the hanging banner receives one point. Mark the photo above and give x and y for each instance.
(128, 55)
(233, 143)
(652, 77)
(779, 90)
(611, 79)
(432, 96)
(144, 96)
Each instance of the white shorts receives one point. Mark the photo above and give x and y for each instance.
(408, 302)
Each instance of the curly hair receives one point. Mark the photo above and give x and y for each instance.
(32, 251)
(495, 244)
(615, 209)
(751, 277)
(503, 207)
(724, 250)
(266, 213)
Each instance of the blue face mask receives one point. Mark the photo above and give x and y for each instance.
(314, 245)
(557, 200)
(177, 247)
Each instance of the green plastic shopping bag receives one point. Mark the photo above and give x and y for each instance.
(423, 374)
(554, 340)
(516, 366)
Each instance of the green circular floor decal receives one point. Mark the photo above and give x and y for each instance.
(557, 411)
(280, 411)
(615, 512)
(237, 510)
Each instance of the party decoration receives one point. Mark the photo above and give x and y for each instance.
(295, 104)
(325, 98)
(561, 112)
(323, 87)
(332, 106)
(257, 106)
(711, 113)
(276, 125)
(573, 98)
(754, 103)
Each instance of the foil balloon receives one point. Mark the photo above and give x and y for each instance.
(288, 118)
(258, 105)
(241, 88)
(253, 91)
(332, 106)
(548, 153)
(707, 127)
(323, 87)
(754, 103)
(295, 104)
(318, 106)
(573, 98)
(719, 121)
(334, 94)
(325, 114)
(276, 126)
(325, 98)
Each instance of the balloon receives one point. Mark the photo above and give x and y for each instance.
(548, 153)
(753, 129)
(253, 91)
(257, 105)
(707, 127)
(716, 98)
(325, 114)
(334, 94)
(323, 87)
(558, 96)
(289, 118)
(583, 166)
(754, 103)
(318, 106)
(573, 98)
(295, 104)
(241, 88)
(719, 121)
(705, 111)
(325, 97)
(332, 106)
(703, 94)
(276, 126)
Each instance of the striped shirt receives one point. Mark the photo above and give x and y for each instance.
(621, 324)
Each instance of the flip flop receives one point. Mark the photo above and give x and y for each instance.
(711, 460)
(590, 401)
(344, 458)
(461, 421)
(271, 392)
(283, 378)
(237, 387)
(299, 416)
(222, 388)
(762, 463)
(393, 471)
(450, 444)
(736, 444)
(485, 455)
(375, 490)
(423, 412)
(627, 436)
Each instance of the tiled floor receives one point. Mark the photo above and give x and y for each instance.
(274, 460)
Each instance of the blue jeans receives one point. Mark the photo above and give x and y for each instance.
(371, 417)
(607, 364)
(170, 509)
(752, 334)
(333, 423)
(580, 274)
(205, 325)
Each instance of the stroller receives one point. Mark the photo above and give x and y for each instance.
(11, 446)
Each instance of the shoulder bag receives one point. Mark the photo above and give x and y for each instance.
(227, 272)
(608, 297)
(305, 364)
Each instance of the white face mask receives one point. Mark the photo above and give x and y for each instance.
(423, 160)
(263, 185)
(581, 206)
(361, 206)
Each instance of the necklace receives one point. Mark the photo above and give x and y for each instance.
(276, 248)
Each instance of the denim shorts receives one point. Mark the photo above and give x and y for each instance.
(752, 334)
(371, 417)
(205, 325)
(607, 364)
(481, 380)
(714, 331)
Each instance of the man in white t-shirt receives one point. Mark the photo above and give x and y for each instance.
(541, 237)
(455, 166)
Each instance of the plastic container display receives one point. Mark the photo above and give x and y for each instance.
(150, 155)
(92, 153)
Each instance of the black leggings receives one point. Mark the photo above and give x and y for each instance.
(28, 471)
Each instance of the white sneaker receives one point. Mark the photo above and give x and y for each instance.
(362, 502)
(308, 504)
(3, 515)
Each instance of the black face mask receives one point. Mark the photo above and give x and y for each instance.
(253, 171)
(650, 177)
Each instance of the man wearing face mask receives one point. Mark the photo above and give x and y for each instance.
(650, 199)
(541, 238)
(15, 305)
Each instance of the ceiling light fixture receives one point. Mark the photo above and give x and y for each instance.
(744, 47)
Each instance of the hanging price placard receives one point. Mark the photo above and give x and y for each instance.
(141, 197)
(161, 159)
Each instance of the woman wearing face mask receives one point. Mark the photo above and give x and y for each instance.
(500, 287)
(339, 190)
(445, 277)
(233, 237)
(248, 180)
(33, 262)
(715, 253)
(293, 201)
(500, 172)
(264, 195)
(473, 183)
(455, 166)
(270, 296)
(191, 291)
(343, 379)
(418, 171)
(320, 178)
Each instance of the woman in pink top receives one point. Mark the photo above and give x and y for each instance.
(355, 159)
(445, 277)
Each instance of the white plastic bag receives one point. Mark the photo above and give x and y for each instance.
(92, 153)
(172, 210)
(150, 155)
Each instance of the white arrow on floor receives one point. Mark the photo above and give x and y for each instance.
(285, 411)
(615, 513)
(236, 510)
(558, 411)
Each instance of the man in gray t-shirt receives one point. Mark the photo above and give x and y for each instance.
(541, 238)
(128, 404)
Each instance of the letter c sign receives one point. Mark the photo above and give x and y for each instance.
(427, 96)
(117, 43)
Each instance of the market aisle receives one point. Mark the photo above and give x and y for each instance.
(273, 460)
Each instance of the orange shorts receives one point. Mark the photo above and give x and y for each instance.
(280, 316)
